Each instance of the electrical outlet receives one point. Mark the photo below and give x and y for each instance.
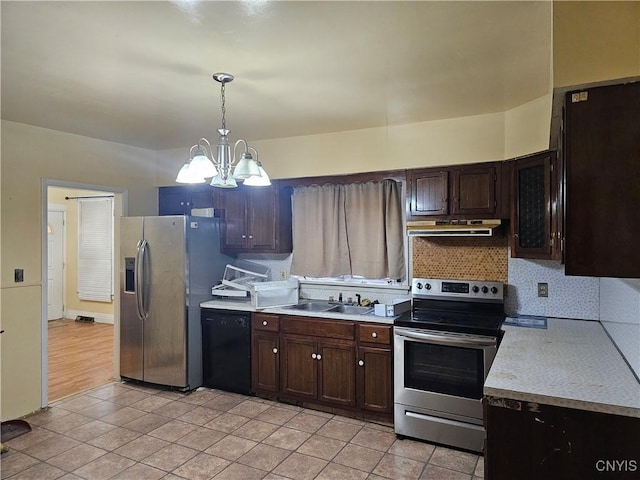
(18, 275)
(543, 289)
(283, 274)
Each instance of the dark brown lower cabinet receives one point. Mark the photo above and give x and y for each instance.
(375, 368)
(265, 353)
(265, 362)
(535, 441)
(315, 366)
(336, 364)
(336, 372)
(375, 379)
(299, 367)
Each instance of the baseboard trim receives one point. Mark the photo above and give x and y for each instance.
(98, 317)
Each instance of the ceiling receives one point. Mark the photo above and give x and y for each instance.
(139, 73)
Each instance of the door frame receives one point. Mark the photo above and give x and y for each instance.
(63, 209)
(120, 203)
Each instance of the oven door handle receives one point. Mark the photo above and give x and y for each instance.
(443, 339)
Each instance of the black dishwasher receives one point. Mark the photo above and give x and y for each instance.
(226, 350)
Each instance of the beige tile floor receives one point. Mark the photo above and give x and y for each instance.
(124, 431)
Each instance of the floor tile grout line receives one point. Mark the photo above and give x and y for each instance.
(101, 396)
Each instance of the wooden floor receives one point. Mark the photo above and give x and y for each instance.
(80, 356)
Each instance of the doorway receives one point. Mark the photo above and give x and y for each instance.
(80, 349)
(55, 261)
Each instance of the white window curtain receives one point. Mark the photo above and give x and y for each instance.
(348, 230)
(95, 249)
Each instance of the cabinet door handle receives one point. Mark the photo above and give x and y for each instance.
(250, 236)
(264, 322)
(244, 236)
(361, 363)
(374, 335)
(318, 357)
(313, 355)
(275, 350)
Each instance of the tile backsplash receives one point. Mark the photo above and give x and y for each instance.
(569, 297)
(463, 258)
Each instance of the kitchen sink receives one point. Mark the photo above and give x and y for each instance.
(352, 309)
(330, 307)
(312, 306)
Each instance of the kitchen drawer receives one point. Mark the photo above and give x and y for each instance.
(265, 322)
(338, 329)
(371, 333)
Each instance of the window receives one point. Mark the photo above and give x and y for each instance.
(95, 249)
(351, 230)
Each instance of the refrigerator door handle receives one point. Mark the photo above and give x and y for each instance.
(140, 281)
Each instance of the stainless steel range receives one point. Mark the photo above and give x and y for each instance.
(443, 351)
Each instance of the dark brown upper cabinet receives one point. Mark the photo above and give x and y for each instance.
(457, 192)
(256, 219)
(474, 190)
(602, 154)
(535, 212)
(429, 193)
(180, 199)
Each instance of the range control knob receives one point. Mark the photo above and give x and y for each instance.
(494, 290)
(419, 286)
(427, 286)
(485, 289)
(475, 289)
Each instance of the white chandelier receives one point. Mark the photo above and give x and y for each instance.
(223, 170)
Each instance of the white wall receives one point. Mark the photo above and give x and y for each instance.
(480, 138)
(527, 127)
(29, 155)
(620, 316)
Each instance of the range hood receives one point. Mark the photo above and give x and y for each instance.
(452, 228)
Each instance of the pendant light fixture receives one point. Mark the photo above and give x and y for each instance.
(223, 169)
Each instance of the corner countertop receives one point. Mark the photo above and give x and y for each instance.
(245, 305)
(571, 364)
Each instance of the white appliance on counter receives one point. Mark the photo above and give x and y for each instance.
(167, 267)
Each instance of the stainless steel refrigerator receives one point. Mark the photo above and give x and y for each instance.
(168, 265)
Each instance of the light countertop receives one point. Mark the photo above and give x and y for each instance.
(245, 305)
(572, 364)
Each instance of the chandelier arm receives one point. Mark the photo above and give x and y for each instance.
(191, 151)
(204, 143)
(235, 145)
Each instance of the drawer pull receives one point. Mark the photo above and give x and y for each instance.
(361, 363)
(264, 322)
(374, 335)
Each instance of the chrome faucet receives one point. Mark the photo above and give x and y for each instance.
(358, 297)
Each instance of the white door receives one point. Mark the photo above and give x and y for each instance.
(55, 265)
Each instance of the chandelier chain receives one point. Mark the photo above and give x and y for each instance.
(224, 109)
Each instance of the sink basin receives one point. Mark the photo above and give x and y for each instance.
(313, 306)
(330, 307)
(351, 309)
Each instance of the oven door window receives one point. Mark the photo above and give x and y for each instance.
(456, 371)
